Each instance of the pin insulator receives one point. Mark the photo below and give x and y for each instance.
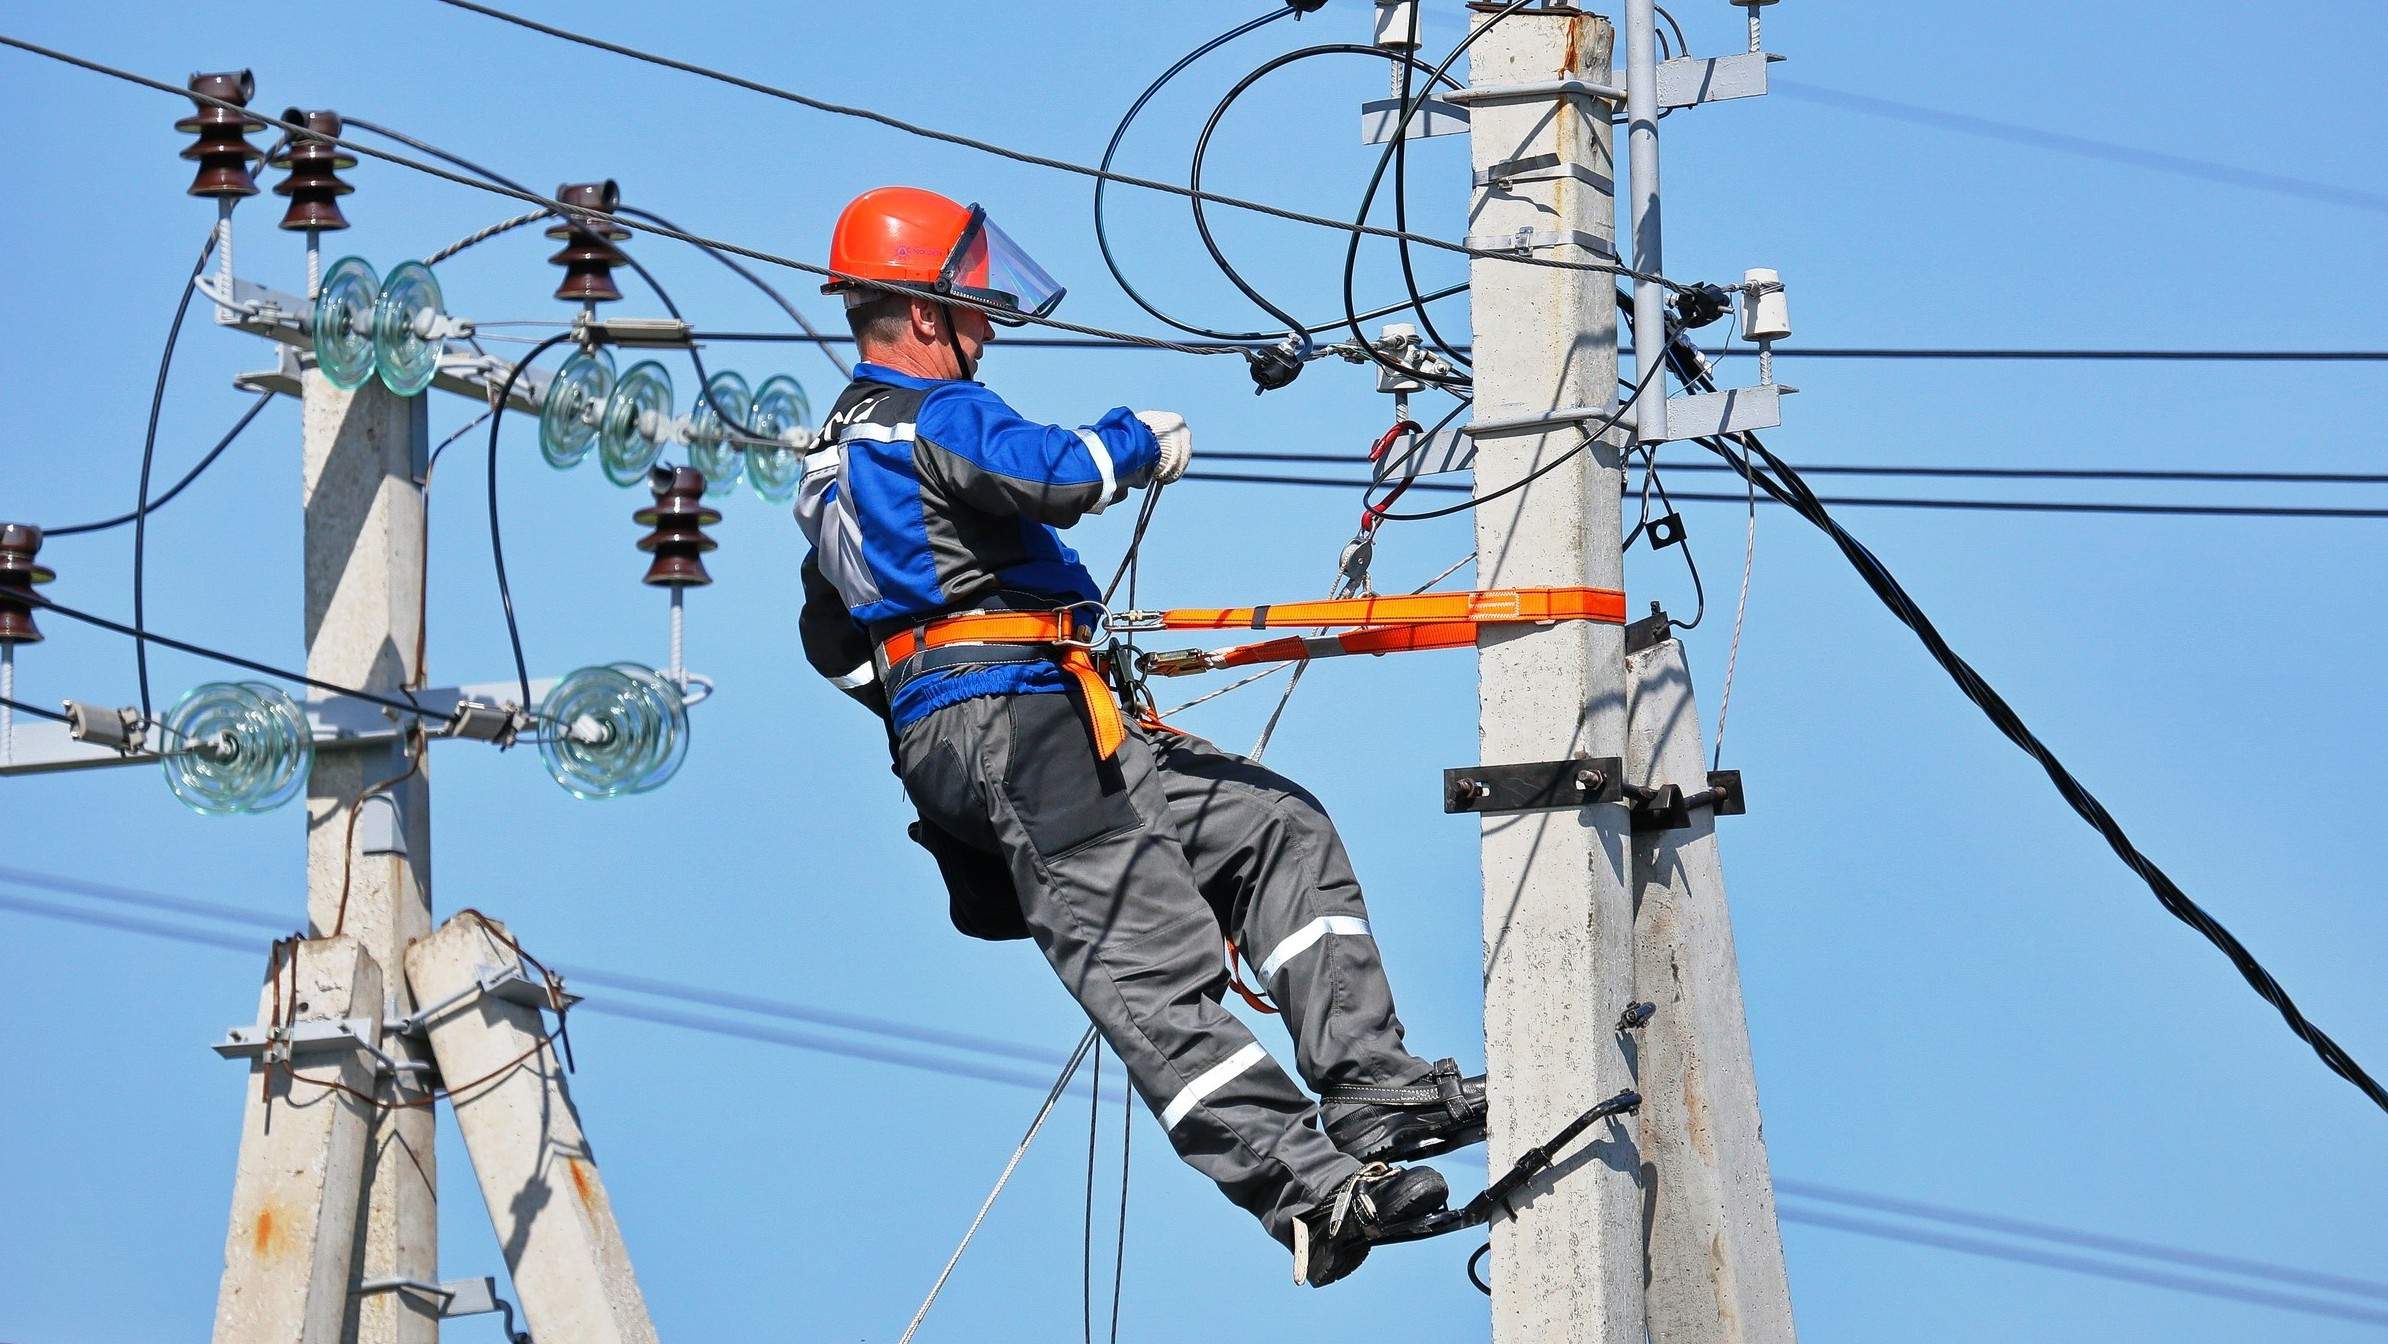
(679, 516)
(223, 151)
(19, 543)
(314, 164)
(589, 231)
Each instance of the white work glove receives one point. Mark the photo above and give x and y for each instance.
(1177, 444)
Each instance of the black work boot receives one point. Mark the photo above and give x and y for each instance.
(1432, 1116)
(1331, 1240)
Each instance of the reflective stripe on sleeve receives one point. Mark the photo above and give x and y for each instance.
(1210, 1080)
(1301, 939)
(859, 677)
(1102, 460)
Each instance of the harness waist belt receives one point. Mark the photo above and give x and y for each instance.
(1054, 631)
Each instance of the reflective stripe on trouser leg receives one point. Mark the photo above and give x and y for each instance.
(1304, 938)
(1113, 906)
(1268, 859)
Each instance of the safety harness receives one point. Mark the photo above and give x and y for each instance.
(1402, 623)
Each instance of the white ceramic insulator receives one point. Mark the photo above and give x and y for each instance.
(1765, 310)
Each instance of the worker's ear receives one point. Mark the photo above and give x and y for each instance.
(928, 321)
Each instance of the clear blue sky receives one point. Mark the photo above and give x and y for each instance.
(1955, 993)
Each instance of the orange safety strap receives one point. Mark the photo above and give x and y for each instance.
(1235, 981)
(1491, 606)
(1299, 648)
(1058, 629)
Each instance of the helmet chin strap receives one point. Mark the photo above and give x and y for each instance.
(964, 366)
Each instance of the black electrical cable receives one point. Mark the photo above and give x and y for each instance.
(1782, 482)
(497, 545)
(35, 710)
(704, 380)
(1699, 592)
(843, 371)
(1102, 227)
(1589, 437)
(1202, 144)
(436, 152)
(1111, 152)
(1395, 148)
(231, 659)
(948, 137)
(149, 448)
(102, 525)
(1094, 1130)
(1401, 212)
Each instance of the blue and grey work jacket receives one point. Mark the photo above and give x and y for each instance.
(929, 497)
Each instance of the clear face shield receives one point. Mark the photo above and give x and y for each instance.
(988, 267)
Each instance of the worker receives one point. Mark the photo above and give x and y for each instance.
(939, 593)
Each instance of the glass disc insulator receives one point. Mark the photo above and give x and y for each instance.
(575, 403)
(670, 746)
(780, 407)
(603, 732)
(344, 322)
(234, 747)
(405, 321)
(711, 450)
(636, 421)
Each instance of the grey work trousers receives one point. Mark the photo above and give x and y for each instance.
(1128, 872)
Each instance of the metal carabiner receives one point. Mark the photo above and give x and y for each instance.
(1098, 628)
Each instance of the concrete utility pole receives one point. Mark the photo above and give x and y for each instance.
(364, 455)
(1558, 915)
(1715, 1252)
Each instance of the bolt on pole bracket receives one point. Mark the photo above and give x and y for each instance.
(1533, 786)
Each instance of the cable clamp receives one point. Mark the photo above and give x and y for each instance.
(1528, 240)
(1543, 168)
(1175, 663)
(122, 730)
(479, 721)
(1128, 622)
(1666, 807)
(636, 333)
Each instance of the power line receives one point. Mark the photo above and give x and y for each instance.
(641, 226)
(162, 500)
(1035, 160)
(2075, 1264)
(1795, 1190)
(1880, 502)
(1918, 352)
(2110, 151)
(1900, 469)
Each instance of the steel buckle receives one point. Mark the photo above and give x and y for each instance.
(1097, 628)
(1123, 622)
(1175, 663)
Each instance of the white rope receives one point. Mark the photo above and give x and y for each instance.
(1061, 1084)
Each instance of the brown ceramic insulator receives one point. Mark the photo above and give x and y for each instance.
(19, 543)
(589, 233)
(314, 164)
(679, 516)
(223, 151)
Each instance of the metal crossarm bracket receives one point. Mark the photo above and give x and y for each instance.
(284, 1044)
(1735, 410)
(1435, 116)
(1534, 786)
(1541, 88)
(1535, 240)
(1688, 81)
(289, 319)
(513, 983)
(457, 1297)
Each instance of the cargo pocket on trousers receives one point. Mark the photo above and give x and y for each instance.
(1066, 796)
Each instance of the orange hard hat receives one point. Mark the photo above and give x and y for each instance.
(910, 236)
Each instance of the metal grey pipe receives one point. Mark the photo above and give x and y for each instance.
(1649, 302)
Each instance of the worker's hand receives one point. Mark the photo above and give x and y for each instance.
(1177, 444)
